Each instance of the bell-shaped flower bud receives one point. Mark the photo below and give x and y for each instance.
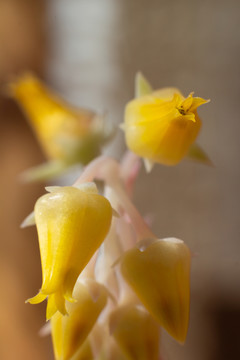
(67, 135)
(85, 352)
(136, 332)
(69, 332)
(162, 125)
(71, 223)
(159, 273)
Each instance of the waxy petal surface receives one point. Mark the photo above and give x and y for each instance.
(70, 332)
(136, 332)
(160, 276)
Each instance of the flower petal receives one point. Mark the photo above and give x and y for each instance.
(160, 276)
(160, 126)
(196, 153)
(70, 332)
(142, 86)
(136, 332)
(37, 299)
(67, 236)
(28, 221)
(72, 222)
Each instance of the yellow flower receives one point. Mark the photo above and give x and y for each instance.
(136, 332)
(159, 273)
(67, 135)
(71, 223)
(69, 333)
(161, 125)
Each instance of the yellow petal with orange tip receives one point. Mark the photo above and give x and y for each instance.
(136, 332)
(70, 332)
(159, 273)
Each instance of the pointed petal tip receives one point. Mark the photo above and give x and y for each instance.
(52, 310)
(140, 78)
(89, 187)
(142, 86)
(180, 337)
(36, 299)
(148, 165)
(50, 315)
(52, 189)
(70, 299)
(196, 153)
(45, 330)
(28, 221)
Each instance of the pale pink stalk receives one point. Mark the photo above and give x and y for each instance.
(130, 167)
(108, 169)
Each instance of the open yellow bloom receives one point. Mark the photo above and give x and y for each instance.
(159, 273)
(71, 223)
(69, 333)
(67, 135)
(161, 125)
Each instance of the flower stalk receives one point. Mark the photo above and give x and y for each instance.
(107, 169)
(109, 281)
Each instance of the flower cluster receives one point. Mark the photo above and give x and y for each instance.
(111, 284)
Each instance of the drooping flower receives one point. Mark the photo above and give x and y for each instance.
(161, 125)
(67, 135)
(71, 223)
(156, 290)
(159, 273)
(69, 332)
(136, 332)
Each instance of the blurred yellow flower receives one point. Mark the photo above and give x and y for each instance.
(161, 125)
(67, 135)
(136, 332)
(69, 333)
(159, 273)
(71, 223)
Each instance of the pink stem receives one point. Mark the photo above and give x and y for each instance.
(107, 169)
(91, 170)
(140, 226)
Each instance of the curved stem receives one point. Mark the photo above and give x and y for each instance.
(139, 224)
(90, 172)
(107, 169)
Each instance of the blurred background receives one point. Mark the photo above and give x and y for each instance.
(89, 51)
